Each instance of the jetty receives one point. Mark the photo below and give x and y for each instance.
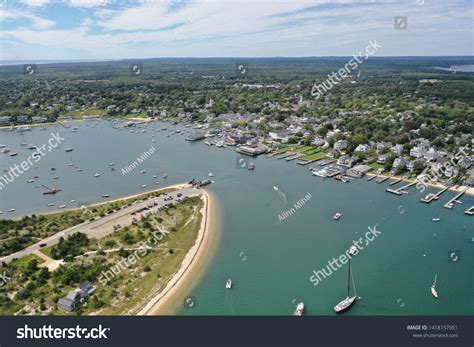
(306, 162)
(272, 154)
(430, 197)
(293, 157)
(325, 162)
(451, 202)
(395, 182)
(284, 155)
(382, 179)
(372, 177)
(401, 190)
(470, 211)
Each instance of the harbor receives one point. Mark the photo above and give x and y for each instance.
(248, 213)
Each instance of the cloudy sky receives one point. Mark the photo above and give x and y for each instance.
(114, 29)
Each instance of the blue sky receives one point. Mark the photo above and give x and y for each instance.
(117, 29)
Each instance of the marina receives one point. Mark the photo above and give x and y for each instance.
(243, 251)
(451, 202)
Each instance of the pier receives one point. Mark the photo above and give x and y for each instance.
(306, 162)
(395, 182)
(451, 202)
(400, 190)
(293, 157)
(371, 177)
(430, 197)
(284, 155)
(470, 211)
(382, 179)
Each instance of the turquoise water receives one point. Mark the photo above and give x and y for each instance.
(270, 261)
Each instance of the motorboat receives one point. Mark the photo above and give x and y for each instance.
(299, 309)
(337, 216)
(228, 284)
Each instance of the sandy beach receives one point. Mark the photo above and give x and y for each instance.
(193, 266)
(458, 189)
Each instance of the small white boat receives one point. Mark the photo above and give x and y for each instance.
(30, 181)
(111, 164)
(353, 250)
(436, 219)
(211, 174)
(155, 176)
(143, 186)
(70, 164)
(55, 177)
(5, 150)
(337, 216)
(13, 154)
(299, 309)
(61, 206)
(73, 200)
(105, 195)
(97, 174)
(275, 188)
(143, 171)
(228, 284)
(11, 210)
(69, 149)
(79, 170)
(165, 175)
(51, 204)
(433, 287)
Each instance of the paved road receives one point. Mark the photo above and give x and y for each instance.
(83, 227)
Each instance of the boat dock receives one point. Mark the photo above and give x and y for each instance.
(326, 162)
(284, 155)
(306, 162)
(400, 190)
(470, 211)
(451, 202)
(382, 179)
(293, 157)
(371, 177)
(430, 197)
(395, 182)
(272, 154)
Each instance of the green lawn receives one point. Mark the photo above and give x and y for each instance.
(318, 155)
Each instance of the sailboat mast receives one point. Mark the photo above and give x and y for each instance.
(349, 279)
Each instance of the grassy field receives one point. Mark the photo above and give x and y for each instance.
(36, 291)
(89, 112)
(317, 155)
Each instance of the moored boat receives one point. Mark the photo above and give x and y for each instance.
(299, 309)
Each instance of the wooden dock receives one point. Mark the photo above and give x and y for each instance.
(382, 179)
(450, 203)
(401, 190)
(372, 177)
(293, 157)
(395, 182)
(306, 162)
(470, 211)
(284, 155)
(430, 197)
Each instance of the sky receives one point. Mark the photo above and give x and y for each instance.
(121, 29)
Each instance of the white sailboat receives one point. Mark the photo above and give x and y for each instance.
(433, 287)
(349, 300)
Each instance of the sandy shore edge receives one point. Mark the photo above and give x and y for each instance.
(457, 189)
(165, 302)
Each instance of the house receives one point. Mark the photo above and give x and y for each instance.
(280, 135)
(397, 149)
(22, 119)
(37, 119)
(399, 162)
(382, 158)
(4, 120)
(318, 142)
(347, 160)
(382, 145)
(413, 164)
(358, 170)
(417, 151)
(75, 297)
(431, 155)
(341, 145)
(362, 148)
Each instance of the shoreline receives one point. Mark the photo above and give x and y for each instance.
(166, 301)
(456, 188)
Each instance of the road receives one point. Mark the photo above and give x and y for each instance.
(89, 226)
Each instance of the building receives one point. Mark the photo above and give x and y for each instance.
(399, 163)
(347, 160)
(341, 145)
(358, 170)
(280, 135)
(382, 158)
(362, 148)
(71, 301)
(397, 149)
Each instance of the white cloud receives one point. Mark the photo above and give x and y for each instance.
(36, 3)
(86, 3)
(37, 22)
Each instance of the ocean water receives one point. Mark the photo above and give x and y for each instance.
(269, 260)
